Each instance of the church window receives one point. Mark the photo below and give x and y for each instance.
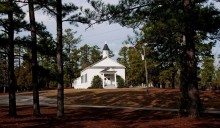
(85, 78)
(81, 79)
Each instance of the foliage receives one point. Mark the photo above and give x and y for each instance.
(166, 76)
(34, 62)
(89, 55)
(131, 58)
(123, 56)
(46, 47)
(184, 23)
(44, 77)
(23, 76)
(12, 19)
(3, 69)
(178, 37)
(70, 12)
(120, 82)
(123, 59)
(207, 72)
(216, 80)
(96, 82)
(70, 58)
(84, 59)
(136, 72)
(3, 64)
(95, 55)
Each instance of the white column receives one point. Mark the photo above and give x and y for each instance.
(103, 80)
(116, 81)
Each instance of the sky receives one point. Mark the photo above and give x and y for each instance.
(98, 34)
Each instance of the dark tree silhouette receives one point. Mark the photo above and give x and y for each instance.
(34, 63)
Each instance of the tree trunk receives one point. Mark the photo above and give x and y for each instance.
(34, 66)
(173, 78)
(70, 80)
(4, 89)
(192, 83)
(173, 70)
(189, 84)
(11, 75)
(173, 82)
(60, 88)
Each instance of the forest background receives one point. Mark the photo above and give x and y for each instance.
(175, 37)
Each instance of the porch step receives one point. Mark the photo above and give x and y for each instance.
(110, 87)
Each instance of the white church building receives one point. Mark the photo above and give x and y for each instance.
(106, 68)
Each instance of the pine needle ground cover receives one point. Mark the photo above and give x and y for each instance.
(133, 97)
(115, 117)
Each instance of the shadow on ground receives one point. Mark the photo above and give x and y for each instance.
(104, 118)
(165, 99)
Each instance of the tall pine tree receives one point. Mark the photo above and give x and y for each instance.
(190, 17)
(34, 63)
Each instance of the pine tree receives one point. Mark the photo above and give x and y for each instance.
(95, 54)
(60, 86)
(13, 22)
(123, 56)
(11, 79)
(64, 13)
(136, 72)
(187, 18)
(207, 72)
(36, 106)
(70, 42)
(85, 56)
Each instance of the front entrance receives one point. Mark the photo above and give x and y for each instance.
(107, 80)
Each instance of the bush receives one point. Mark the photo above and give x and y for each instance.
(96, 82)
(120, 82)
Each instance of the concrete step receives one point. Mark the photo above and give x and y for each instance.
(110, 87)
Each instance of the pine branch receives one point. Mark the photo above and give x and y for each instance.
(38, 3)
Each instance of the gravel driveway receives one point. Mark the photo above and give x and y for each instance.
(27, 99)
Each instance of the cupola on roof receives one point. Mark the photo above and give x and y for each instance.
(105, 47)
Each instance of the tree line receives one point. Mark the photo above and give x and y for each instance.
(11, 21)
(75, 59)
(176, 35)
(176, 30)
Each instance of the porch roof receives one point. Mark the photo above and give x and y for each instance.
(108, 70)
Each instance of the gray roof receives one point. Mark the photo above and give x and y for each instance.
(105, 47)
(108, 69)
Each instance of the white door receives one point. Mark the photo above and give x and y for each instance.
(107, 80)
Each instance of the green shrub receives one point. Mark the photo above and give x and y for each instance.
(120, 82)
(96, 82)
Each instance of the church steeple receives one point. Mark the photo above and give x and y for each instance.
(105, 52)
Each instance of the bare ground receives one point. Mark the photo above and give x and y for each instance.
(116, 118)
(134, 97)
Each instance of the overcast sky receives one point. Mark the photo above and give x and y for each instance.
(113, 34)
(98, 34)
